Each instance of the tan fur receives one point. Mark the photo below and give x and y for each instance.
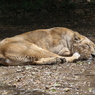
(45, 46)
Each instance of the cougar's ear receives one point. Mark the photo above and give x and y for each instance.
(77, 37)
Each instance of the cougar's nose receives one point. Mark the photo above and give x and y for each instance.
(93, 55)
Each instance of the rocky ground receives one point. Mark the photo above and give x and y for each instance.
(60, 79)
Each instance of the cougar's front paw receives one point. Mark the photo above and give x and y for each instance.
(76, 55)
(60, 60)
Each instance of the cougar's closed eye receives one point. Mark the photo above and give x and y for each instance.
(88, 45)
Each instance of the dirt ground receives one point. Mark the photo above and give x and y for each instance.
(60, 79)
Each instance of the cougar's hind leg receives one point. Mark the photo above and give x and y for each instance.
(20, 53)
(24, 60)
(33, 58)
